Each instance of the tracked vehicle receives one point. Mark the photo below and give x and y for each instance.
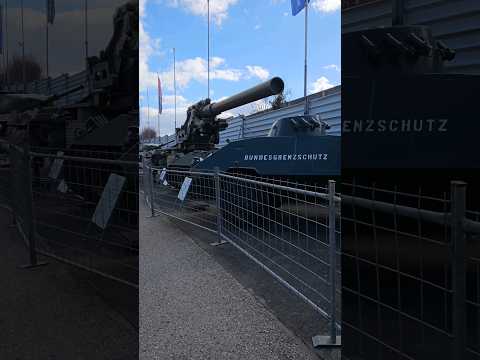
(296, 148)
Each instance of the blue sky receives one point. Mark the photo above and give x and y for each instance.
(250, 42)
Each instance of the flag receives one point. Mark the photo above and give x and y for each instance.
(50, 11)
(297, 6)
(159, 95)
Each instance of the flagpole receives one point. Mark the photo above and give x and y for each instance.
(46, 29)
(2, 46)
(6, 43)
(158, 125)
(158, 112)
(86, 33)
(208, 49)
(24, 74)
(305, 70)
(174, 87)
(148, 110)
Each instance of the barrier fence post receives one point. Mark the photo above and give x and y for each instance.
(29, 220)
(220, 240)
(332, 339)
(458, 248)
(12, 199)
(152, 206)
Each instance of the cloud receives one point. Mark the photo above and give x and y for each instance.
(170, 100)
(318, 5)
(258, 71)
(326, 5)
(166, 120)
(218, 8)
(257, 27)
(196, 69)
(332, 67)
(141, 7)
(148, 48)
(322, 83)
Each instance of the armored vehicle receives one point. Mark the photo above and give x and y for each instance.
(400, 108)
(296, 147)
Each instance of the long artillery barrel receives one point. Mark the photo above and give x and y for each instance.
(268, 88)
(24, 101)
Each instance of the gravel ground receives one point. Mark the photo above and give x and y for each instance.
(53, 312)
(192, 308)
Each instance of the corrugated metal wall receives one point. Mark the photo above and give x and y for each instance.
(456, 22)
(326, 103)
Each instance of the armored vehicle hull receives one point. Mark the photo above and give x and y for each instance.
(278, 156)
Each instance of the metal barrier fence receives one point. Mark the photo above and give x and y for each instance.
(291, 232)
(411, 275)
(80, 210)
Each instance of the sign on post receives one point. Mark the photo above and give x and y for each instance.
(184, 189)
(108, 200)
(62, 187)
(162, 174)
(56, 167)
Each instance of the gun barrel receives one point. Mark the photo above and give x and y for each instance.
(268, 88)
(65, 93)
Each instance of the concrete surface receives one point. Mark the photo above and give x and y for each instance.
(55, 312)
(192, 308)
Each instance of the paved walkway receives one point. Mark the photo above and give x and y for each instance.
(191, 308)
(51, 312)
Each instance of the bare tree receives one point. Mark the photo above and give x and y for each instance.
(280, 100)
(33, 70)
(148, 134)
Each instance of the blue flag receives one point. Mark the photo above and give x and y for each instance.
(50, 11)
(297, 6)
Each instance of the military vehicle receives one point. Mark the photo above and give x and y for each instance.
(404, 108)
(296, 148)
(103, 115)
(100, 122)
(410, 124)
(32, 118)
(106, 119)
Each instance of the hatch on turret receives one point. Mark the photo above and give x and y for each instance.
(306, 125)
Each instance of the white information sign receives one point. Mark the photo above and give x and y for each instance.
(56, 167)
(62, 187)
(184, 189)
(108, 200)
(162, 174)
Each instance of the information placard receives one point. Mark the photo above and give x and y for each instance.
(56, 167)
(162, 174)
(184, 189)
(108, 200)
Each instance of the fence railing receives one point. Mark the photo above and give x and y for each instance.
(293, 233)
(81, 210)
(411, 275)
(57, 85)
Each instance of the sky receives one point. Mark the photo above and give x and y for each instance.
(66, 34)
(250, 41)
